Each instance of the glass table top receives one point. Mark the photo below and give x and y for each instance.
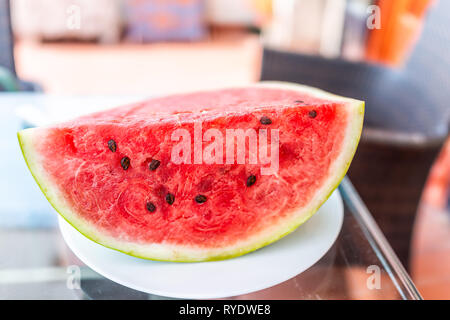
(35, 262)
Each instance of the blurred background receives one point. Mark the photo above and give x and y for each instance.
(394, 54)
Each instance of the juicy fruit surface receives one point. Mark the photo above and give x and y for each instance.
(114, 168)
(111, 174)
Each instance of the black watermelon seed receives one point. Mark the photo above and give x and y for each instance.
(299, 101)
(112, 145)
(200, 198)
(312, 113)
(125, 163)
(251, 180)
(170, 198)
(265, 120)
(150, 207)
(154, 164)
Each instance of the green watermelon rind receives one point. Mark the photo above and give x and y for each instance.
(177, 253)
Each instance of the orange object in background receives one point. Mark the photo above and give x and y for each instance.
(393, 38)
(419, 7)
(404, 35)
(430, 261)
(376, 36)
(401, 25)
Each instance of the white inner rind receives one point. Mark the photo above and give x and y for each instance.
(182, 253)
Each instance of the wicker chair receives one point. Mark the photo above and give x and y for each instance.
(406, 120)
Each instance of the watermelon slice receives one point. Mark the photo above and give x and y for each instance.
(116, 178)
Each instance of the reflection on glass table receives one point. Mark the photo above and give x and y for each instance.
(360, 265)
(35, 263)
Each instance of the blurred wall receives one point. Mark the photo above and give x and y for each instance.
(53, 19)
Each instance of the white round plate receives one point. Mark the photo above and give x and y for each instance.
(255, 271)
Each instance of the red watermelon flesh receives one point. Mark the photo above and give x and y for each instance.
(111, 174)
